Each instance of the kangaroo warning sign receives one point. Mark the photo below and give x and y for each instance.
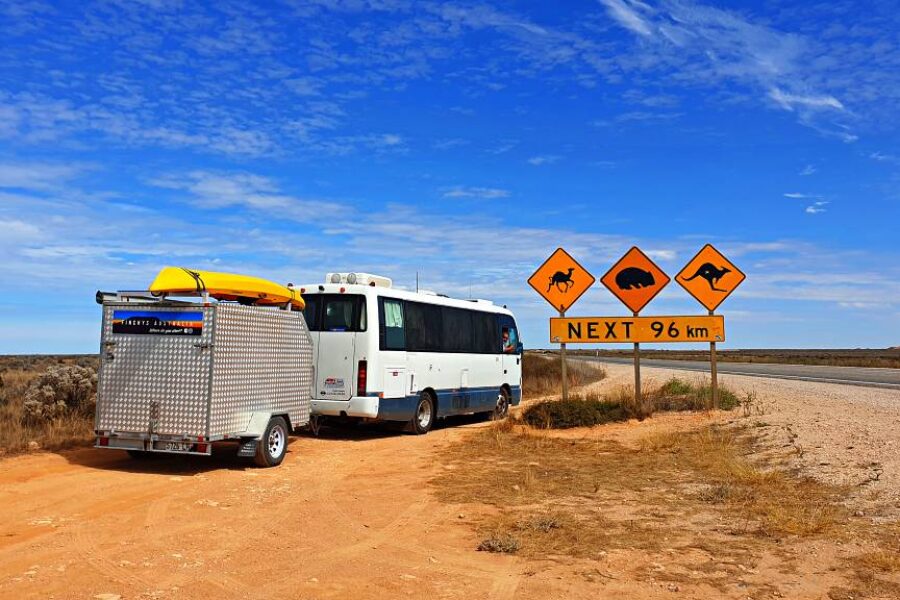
(561, 280)
(635, 279)
(617, 330)
(710, 277)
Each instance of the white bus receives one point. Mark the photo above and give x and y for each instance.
(392, 355)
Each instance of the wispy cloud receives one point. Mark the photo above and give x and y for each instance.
(484, 193)
(38, 176)
(544, 159)
(800, 195)
(885, 158)
(807, 171)
(816, 208)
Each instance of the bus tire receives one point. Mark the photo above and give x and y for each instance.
(424, 416)
(272, 447)
(501, 411)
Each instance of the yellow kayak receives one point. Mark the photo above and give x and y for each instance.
(224, 286)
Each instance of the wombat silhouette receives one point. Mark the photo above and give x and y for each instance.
(711, 273)
(634, 278)
(562, 281)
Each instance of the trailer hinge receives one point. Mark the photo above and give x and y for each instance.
(203, 345)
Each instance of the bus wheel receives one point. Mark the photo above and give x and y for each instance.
(424, 417)
(501, 411)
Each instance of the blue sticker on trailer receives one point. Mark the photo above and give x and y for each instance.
(144, 322)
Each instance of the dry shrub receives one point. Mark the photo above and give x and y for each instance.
(542, 375)
(60, 391)
(576, 411)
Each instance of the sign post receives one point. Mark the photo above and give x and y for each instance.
(635, 280)
(710, 278)
(561, 281)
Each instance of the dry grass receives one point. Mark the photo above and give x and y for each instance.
(17, 435)
(542, 375)
(697, 493)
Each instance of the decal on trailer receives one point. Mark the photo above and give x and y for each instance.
(144, 322)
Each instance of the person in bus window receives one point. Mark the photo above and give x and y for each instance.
(509, 345)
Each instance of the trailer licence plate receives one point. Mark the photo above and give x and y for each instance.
(173, 446)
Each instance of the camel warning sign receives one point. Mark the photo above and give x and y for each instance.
(635, 279)
(561, 280)
(710, 277)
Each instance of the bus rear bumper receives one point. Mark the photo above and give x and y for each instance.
(356, 406)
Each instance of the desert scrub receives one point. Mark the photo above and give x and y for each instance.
(59, 391)
(46, 402)
(619, 405)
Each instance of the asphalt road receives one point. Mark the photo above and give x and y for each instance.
(870, 377)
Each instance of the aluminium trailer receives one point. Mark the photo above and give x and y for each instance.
(176, 376)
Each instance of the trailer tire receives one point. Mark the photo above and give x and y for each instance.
(272, 447)
(423, 419)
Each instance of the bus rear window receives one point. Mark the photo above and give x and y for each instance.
(335, 312)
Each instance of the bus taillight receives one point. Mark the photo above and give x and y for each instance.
(361, 379)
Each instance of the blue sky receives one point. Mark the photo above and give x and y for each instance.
(462, 140)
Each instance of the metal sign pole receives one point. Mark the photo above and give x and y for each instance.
(637, 372)
(713, 371)
(562, 353)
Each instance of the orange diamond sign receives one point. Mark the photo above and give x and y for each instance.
(561, 280)
(710, 277)
(635, 279)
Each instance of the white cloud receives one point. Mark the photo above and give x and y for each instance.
(546, 159)
(800, 196)
(816, 208)
(882, 157)
(221, 190)
(37, 176)
(485, 193)
(626, 14)
(807, 171)
(790, 101)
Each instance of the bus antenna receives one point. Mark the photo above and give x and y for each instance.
(417, 282)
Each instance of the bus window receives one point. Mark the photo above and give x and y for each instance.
(311, 312)
(458, 334)
(509, 336)
(344, 313)
(484, 332)
(393, 333)
(423, 327)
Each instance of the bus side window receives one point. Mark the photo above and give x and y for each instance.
(392, 327)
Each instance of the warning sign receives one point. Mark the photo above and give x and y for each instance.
(561, 280)
(612, 330)
(710, 277)
(635, 279)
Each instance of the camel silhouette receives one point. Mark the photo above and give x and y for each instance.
(711, 274)
(561, 279)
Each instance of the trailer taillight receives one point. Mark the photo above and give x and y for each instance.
(201, 447)
(104, 441)
(361, 379)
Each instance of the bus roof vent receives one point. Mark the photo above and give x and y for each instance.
(359, 279)
(481, 301)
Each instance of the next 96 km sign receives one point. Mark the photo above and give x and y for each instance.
(599, 330)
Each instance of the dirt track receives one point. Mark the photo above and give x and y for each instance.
(348, 515)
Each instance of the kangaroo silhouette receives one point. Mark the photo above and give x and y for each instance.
(632, 277)
(711, 273)
(562, 281)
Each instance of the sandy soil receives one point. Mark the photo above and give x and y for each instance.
(351, 514)
(847, 435)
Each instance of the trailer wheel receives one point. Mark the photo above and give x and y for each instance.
(272, 447)
(424, 415)
(501, 411)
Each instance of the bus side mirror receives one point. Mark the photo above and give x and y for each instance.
(520, 348)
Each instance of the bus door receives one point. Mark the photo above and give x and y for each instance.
(342, 317)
